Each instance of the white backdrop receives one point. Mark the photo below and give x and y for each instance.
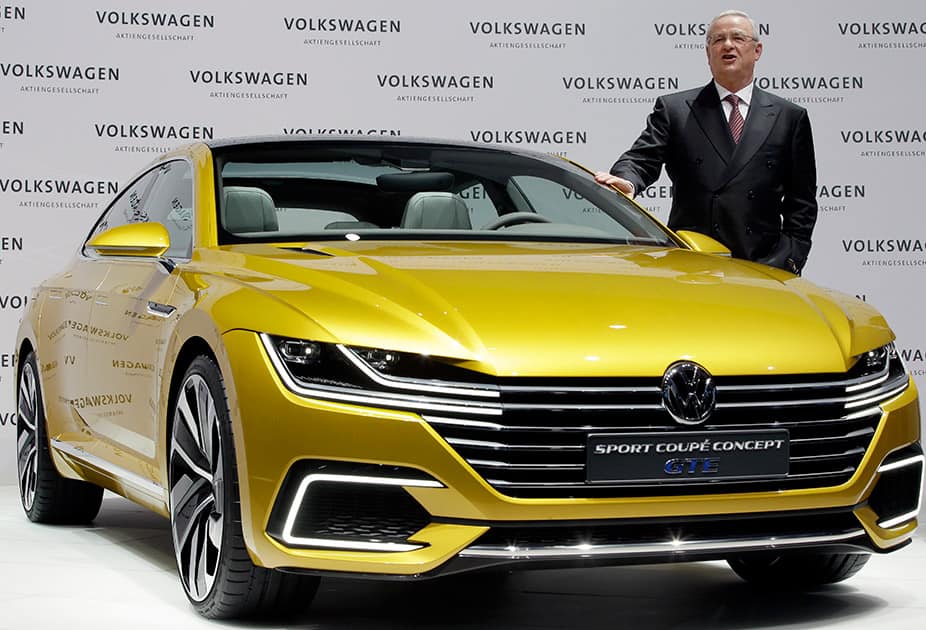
(90, 92)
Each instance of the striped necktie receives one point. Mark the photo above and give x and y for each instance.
(736, 118)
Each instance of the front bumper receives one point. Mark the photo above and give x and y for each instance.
(276, 430)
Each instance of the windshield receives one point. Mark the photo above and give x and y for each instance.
(309, 192)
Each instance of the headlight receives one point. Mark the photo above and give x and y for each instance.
(877, 376)
(883, 361)
(379, 377)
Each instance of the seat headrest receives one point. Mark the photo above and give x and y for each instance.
(436, 210)
(248, 209)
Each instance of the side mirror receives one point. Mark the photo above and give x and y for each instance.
(702, 243)
(145, 240)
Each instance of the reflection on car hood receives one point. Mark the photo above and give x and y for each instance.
(567, 309)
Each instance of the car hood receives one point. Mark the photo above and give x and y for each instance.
(568, 309)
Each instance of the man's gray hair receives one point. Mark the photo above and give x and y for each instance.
(743, 14)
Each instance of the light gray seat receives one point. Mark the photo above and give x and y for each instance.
(436, 211)
(248, 209)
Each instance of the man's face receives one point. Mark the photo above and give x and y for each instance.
(732, 51)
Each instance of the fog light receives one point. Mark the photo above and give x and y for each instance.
(896, 497)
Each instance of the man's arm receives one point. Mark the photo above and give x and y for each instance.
(642, 163)
(799, 206)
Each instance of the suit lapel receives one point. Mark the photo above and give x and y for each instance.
(759, 122)
(708, 113)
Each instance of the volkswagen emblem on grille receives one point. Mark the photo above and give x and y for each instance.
(688, 393)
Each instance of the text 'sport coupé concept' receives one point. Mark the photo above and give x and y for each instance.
(407, 359)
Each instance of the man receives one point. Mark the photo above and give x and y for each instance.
(741, 159)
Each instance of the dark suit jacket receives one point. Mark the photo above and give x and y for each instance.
(757, 197)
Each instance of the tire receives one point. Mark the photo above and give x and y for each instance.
(46, 496)
(796, 570)
(215, 569)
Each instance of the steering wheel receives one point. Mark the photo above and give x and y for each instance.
(515, 218)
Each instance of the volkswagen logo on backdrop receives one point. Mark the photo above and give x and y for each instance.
(688, 393)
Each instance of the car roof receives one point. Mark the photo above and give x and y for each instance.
(294, 139)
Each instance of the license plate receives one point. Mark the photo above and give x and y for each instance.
(686, 456)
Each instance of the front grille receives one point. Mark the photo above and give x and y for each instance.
(536, 447)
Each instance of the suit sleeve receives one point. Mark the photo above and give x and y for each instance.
(799, 210)
(642, 163)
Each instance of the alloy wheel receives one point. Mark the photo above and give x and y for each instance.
(197, 487)
(26, 441)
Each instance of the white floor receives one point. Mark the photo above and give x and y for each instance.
(119, 573)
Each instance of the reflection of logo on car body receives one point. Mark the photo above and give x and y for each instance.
(101, 400)
(133, 366)
(142, 317)
(92, 331)
(688, 393)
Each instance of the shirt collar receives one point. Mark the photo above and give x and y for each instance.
(744, 95)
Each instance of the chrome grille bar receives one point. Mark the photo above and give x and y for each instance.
(679, 546)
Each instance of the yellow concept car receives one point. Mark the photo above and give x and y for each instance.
(407, 359)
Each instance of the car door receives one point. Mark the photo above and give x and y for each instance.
(69, 341)
(132, 308)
